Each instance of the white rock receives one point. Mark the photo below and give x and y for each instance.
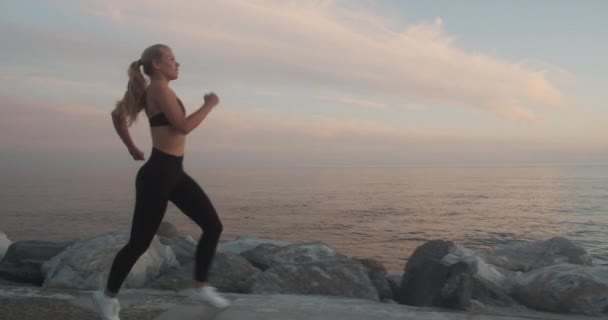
(4, 244)
(244, 243)
(86, 263)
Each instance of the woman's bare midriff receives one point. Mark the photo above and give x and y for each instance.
(167, 140)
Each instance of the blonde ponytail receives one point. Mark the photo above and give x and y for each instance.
(132, 101)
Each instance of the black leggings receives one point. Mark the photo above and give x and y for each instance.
(162, 179)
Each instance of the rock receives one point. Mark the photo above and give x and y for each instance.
(4, 244)
(229, 273)
(184, 248)
(536, 254)
(24, 272)
(33, 250)
(394, 281)
(490, 284)
(267, 256)
(262, 256)
(244, 243)
(167, 230)
(86, 264)
(232, 273)
(457, 291)
(429, 281)
(565, 288)
(23, 260)
(345, 277)
(377, 274)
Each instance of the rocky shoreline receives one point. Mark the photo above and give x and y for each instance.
(553, 275)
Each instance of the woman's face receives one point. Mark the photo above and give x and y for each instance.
(167, 65)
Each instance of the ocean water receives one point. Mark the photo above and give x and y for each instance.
(368, 212)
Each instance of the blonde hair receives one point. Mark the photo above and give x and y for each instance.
(131, 103)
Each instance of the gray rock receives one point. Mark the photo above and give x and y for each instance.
(23, 260)
(167, 230)
(232, 273)
(428, 280)
(86, 263)
(4, 244)
(536, 254)
(33, 250)
(244, 243)
(394, 281)
(184, 248)
(345, 277)
(566, 288)
(377, 274)
(298, 253)
(262, 256)
(491, 285)
(229, 273)
(425, 274)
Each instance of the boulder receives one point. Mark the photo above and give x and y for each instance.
(528, 256)
(429, 281)
(167, 230)
(394, 281)
(244, 243)
(4, 244)
(269, 255)
(343, 277)
(184, 248)
(565, 288)
(86, 264)
(491, 285)
(23, 260)
(262, 256)
(229, 273)
(377, 274)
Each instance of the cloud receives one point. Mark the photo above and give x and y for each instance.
(354, 102)
(305, 44)
(323, 43)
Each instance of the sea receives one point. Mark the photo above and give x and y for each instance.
(380, 212)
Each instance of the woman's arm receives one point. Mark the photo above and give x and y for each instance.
(120, 124)
(183, 124)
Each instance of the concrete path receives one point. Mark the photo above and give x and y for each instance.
(21, 303)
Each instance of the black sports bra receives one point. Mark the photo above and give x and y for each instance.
(160, 119)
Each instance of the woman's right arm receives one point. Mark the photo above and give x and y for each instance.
(182, 123)
(120, 124)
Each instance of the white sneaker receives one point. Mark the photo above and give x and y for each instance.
(209, 294)
(108, 307)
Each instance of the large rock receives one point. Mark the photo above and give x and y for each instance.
(536, 254)
(184, 247)
(229, 273)
(267, 256)
(86, 264)
(4, 244)
(565, 288)
(377, 274)
(343, 277)
(491, 285)
(167, 230)
(244, 243)
(429, 281)
(23, 260)
(394, 281)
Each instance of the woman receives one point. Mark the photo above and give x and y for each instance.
(161, 178)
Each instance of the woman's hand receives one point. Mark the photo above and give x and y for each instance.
(211, 100)
(136, 153)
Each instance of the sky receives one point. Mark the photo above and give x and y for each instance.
(339, 83)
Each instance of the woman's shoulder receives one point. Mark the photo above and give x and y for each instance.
(156, 90)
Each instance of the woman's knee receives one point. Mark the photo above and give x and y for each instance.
(214, 228)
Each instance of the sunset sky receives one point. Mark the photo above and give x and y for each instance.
(314, 82)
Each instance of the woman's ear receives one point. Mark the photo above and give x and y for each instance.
(155, 64)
